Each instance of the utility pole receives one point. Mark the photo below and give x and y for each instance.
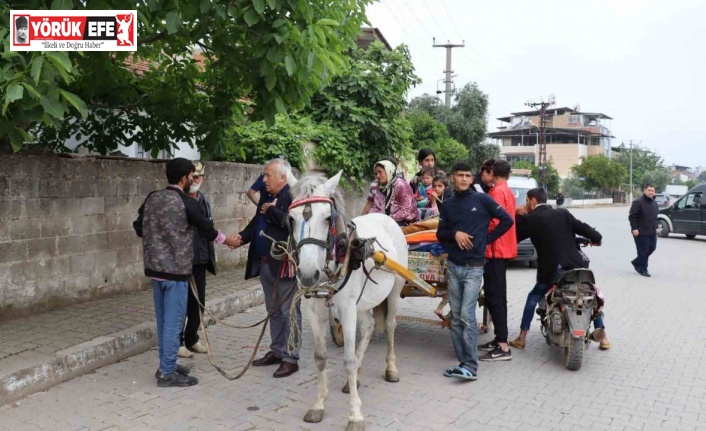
(448, 81)
(543, 138)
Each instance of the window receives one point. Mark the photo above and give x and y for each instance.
(575, 119)
(690, 201)
(520, 157)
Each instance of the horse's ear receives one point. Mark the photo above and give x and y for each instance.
(291, 179)
(331, 184)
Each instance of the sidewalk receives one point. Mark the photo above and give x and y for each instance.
(41, 351)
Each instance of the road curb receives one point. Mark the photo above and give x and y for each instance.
(105, 350)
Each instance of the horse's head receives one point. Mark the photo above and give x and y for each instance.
(313, 220)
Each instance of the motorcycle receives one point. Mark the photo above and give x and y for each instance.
(567, 310)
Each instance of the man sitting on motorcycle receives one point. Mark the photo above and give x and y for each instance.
(553, 233)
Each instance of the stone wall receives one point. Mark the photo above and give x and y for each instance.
(66, 225)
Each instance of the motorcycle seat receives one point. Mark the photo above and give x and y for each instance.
(575, 276)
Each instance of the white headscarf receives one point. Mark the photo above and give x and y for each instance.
(387, 189)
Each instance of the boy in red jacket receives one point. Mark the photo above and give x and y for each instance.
(498, 255)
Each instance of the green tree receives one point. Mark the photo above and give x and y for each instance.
(276, 53)
(429, 133)
(659, 177)
(466, 120)
(553, 178)
(702, 177)
(643, 161)
(599, 172)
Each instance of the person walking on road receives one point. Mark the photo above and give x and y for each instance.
(498, 255)
(463, 229)
(643, 223)
(165, 223)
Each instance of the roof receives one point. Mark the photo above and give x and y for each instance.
(549, 130)
(553, 111)
(369, 35)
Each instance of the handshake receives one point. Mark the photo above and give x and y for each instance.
(234, 241)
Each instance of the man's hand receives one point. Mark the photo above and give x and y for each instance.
(521, 210)
(464, 240)
(635, 232)
(267, 206)
(234, 241)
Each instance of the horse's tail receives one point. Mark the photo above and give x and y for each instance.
(380, 316)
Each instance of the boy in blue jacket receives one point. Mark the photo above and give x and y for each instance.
(463, 229)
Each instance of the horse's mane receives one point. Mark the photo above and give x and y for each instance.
(306, 186)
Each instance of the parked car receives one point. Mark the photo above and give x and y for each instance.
(520, 186)
(686, 216)
(662, 200)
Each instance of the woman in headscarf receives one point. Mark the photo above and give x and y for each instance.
(392, 195)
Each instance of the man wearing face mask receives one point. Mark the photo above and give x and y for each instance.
(204, 260)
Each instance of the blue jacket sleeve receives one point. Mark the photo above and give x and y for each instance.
(444, 233)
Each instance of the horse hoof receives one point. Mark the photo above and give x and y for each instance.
(391, 377)
(347, 390)
(355, 426)
(314, 416)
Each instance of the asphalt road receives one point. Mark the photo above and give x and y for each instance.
(652, 378)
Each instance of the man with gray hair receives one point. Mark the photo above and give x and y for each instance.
(276, 276)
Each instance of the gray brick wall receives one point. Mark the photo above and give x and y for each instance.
(66, 225)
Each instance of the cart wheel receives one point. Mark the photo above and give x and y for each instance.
(336, 329)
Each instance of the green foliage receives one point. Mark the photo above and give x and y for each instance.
(365, 106)
(702, 177)
(659, 177)
(599, 172)
(276, 53)
(429, 133)
(553, 178)
(643, 161)
(466, 121)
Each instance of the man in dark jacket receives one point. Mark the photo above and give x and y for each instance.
(204, 260)
(553, 233)
(165, 223)
(276, 276)
(463, 229)
(643, 223)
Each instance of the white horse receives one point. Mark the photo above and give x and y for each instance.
(311, 217)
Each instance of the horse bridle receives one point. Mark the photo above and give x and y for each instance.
(328, 244)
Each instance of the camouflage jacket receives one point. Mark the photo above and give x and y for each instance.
(165, 223)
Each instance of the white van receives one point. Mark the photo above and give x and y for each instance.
(520, 185)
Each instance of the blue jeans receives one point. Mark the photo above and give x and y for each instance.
(464, 283)
(536, 294)
(170, 309)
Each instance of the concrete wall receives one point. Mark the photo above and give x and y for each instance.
(66, 225)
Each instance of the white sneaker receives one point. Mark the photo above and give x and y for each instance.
(199, 348)
(184, 353)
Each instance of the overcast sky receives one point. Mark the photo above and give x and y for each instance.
(643, 63)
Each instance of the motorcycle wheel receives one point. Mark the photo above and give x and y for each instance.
(573, 355)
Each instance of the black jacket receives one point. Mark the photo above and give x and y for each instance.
(470, 212)
(553, 233)
(643, 215)
(276, 218)
(204, 251)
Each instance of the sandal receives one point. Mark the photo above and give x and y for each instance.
(516, 344)
(450, 371)
(463, 374)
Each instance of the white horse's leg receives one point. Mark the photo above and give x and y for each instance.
(318, 316)
(391, 373)
(366, 325)
(348, 316)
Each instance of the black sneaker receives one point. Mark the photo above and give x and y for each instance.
(184, 371)
(488, 347)
(645, 274)
(497, 354)
(176, 380)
